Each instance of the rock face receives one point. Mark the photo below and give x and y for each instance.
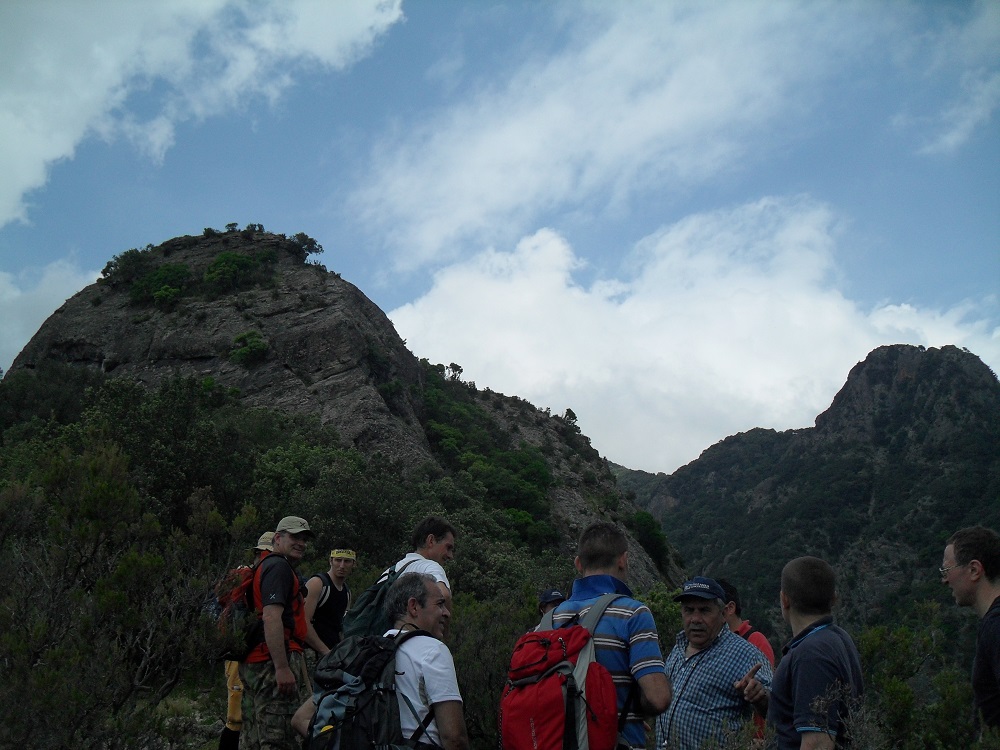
(328, 346)
(320, 347)
(908, 452)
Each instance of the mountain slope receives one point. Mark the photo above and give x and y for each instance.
(246, 311)
(908, 452)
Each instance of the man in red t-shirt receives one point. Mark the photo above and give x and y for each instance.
(733, 612)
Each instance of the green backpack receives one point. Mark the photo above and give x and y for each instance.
(367, 615)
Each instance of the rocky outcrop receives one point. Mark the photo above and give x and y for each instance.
(319, 347)
(328, 347)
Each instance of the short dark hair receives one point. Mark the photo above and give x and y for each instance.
(810, 585)
(407, 586)
(601, 544)
(978, 543)
(732, 595)
(430, 525)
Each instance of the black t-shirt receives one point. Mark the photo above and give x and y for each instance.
(986, 667)
(278, 586)
(328, 617)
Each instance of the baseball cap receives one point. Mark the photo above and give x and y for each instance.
(294, 525)
(550, 595)
(701, 587)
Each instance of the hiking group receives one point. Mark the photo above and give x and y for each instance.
(590, 676)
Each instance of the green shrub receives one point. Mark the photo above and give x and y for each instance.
(249, 348)
(168, 275)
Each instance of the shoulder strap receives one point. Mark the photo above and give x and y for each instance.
(398, 640)
(746, 635)
(325, 593)
(400, 571)
(590, 620)
(596, 611)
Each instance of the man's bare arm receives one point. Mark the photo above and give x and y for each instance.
(274, 636)
(450, 720)
(654, 694)
(816, 741)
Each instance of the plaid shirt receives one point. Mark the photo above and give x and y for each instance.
(705, 704)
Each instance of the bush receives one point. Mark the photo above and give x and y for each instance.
(249, 348)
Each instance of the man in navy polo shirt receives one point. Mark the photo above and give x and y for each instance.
(625, 638)
(818, 679)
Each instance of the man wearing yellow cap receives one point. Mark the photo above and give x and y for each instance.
(329, 596)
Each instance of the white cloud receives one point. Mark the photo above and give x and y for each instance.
(963, 55)
(644, 95)
(26, 302)
(976, 107)
(727, 320)
(67, 71)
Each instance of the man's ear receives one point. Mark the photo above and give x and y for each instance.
(730, 608)
(429, 541)
(623, 562)
(578, 565)
(785, 603)
(975, 570)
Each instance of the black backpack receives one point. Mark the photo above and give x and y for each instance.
(367, 615)
(354, 689)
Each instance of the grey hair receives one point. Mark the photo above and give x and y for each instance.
(407, 586)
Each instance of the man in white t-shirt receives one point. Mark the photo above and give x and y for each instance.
(430, 704)
(433, 542)
(425, 670)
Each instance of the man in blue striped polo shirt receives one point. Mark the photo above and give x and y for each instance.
(625, 639)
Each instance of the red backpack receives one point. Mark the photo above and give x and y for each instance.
(557, 696)
(239, 620)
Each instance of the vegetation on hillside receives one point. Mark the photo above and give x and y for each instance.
(151, 282)
(121, 505)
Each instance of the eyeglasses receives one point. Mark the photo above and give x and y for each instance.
(944, 571)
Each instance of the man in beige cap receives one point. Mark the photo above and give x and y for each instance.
(230, 737)
(275, 680)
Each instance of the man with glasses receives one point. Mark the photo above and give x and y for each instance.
(970, 568)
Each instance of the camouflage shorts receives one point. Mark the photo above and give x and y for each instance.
(267, 715)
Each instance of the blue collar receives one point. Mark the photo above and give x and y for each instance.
(815, 627)
(591, 587)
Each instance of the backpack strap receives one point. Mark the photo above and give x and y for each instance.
(595, 613)
(325, 593)
(398, 640)
(746, 635)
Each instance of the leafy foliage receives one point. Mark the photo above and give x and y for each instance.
(233, 272)
(249, 348)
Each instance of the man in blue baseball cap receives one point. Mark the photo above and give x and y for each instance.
(550, 599)
(719, 679)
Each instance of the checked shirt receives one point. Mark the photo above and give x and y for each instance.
(705, 704)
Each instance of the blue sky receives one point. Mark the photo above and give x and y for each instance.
(680, 219)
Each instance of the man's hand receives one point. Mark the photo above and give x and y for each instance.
(752, 690)
(285, 679)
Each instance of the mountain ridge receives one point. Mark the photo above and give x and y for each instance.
(908, 451)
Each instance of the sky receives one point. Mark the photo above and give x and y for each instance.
(681, 220)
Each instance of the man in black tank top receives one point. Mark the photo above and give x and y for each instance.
(329, 596)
